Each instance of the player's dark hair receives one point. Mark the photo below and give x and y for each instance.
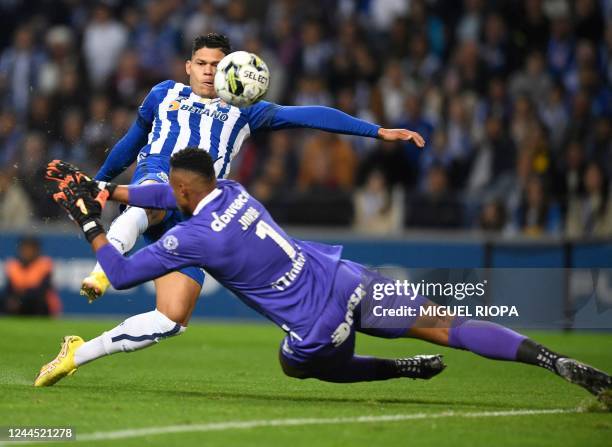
(195, 160)
(212, 40)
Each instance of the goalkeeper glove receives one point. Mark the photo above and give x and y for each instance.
(81, 207)
(61, 171)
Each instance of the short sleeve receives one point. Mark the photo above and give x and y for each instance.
(260, 114)
(148, 108)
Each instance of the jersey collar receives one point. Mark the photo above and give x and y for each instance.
(206, 200)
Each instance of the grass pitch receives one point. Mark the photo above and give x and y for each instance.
(227, 373)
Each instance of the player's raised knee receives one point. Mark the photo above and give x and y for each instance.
(292, 369)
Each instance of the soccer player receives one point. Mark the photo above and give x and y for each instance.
(317, 298)
(175, 115)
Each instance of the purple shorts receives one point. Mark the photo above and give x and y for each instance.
(349, 309)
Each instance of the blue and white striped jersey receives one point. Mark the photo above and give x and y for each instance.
(179, 118)
(172, 117)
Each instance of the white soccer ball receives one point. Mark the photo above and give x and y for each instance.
(242, 78)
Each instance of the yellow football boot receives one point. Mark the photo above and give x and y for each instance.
(61, 366)
(95, 285)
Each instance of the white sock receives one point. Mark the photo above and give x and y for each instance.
(135, 333)
(125, 229)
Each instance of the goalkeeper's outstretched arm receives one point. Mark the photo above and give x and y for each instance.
(152, 195)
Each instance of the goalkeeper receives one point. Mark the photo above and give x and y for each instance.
(305, 288)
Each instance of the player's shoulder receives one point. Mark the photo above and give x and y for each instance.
(230, 185)
(163, 86)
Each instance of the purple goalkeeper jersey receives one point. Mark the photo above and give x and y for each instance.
(235, 239)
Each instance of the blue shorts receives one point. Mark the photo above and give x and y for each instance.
(332, 339)
(172, 217)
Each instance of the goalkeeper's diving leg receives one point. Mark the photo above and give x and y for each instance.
(498, 342)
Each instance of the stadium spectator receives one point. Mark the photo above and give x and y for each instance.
(589, 20)
(494, 157)
(378, 209)
(69, 94)
(203, 21)
(537, 214)
(60, 48)
(10, 138)
(328, 163)
(436, 207)
(384, 12)
(470, 23)
(238, 25)
(316, 52)
(590, 214)
(71, 145)
(394, 89)
(40, 117)
(555, 116)
(156, 41)
(389, 158)
(531, 29)
(29, 290)
(104, 39)
(492, 217)
(599, 145)
(97, 130)
(413, 118)
(539, 70)
(20, 67)
(31, 166)
(495, 52)
(533, 81)
(569, 175)
(15, 207)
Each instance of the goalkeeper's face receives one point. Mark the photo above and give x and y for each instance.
(201, 69)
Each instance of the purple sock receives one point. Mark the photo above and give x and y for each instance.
(485, 338)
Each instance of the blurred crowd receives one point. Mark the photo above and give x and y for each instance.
(513, 97)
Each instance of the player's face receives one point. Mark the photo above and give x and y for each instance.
(201, 69)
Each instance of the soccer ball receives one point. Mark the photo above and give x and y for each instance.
(242, 79)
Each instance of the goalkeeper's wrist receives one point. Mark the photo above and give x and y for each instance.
(108, 186)
(92, 228)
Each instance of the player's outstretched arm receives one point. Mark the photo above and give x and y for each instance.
(60, 173)
(180, 247)
(125, 152)
(272, 116)
(123, 272)
(152, 195)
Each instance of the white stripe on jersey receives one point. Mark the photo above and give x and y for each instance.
(183, 121)
(205, 127)
(228, 126)
(157, 146)
(244, 133)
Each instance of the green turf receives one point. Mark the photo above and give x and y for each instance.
(227, 372)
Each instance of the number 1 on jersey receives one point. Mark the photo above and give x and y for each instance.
(263, 229)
